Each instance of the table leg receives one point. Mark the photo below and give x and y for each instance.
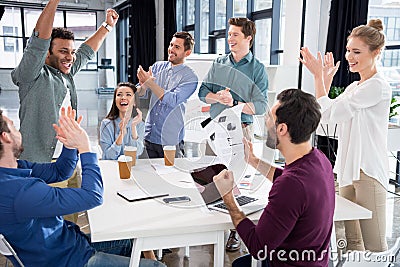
(219, 250)
(254, 262)
(397, 170)
(159, 254)
(333, 252)
(187, 252)
(136, 251)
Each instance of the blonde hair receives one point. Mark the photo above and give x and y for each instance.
(371, 34)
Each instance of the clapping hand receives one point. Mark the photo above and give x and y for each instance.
(225, 97)
(326, 68)
(70, 133)
(70, 113)
(329, 68)
(313, 64)
(138, 118)
(143, 76)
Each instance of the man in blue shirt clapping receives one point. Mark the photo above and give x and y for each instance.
(171, 83)
(31, 211)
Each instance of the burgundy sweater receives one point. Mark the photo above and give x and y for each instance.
(296, 225)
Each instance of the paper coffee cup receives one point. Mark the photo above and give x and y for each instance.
(124, 165)
(169, 155)
(131, 152)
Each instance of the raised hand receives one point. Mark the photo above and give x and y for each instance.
(73, 136)
(143, 75)
(111, 17)
(329, 69)
(70, 113)
(314, 65)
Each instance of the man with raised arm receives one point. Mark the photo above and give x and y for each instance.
(45, 79)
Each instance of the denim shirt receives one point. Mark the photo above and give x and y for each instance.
(31, 211)
(41, 93)
(109, 131)
(165, 120)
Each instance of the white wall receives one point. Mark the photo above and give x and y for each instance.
(159, 29)
(316, 28)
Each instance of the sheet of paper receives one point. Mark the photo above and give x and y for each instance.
(225, 138)
(162, 169)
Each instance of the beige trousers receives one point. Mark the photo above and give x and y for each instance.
(366, 234)
(74, 181)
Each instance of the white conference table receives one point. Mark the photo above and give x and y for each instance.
(155, 225)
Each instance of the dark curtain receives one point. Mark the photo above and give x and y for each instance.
(143, 21)
(169, 23)
(2, 9)
(344, 16)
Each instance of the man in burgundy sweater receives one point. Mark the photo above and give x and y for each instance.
(296, 225)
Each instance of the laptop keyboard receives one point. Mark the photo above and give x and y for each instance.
(241, 200)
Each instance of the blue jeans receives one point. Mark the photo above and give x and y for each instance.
(117, 254)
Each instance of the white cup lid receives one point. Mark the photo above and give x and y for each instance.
(130, 148)
(124, 158)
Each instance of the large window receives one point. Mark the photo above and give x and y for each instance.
(18, 23)
(10, 37)
(212, 26)
(389, 13)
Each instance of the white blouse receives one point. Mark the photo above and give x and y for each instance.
(362, 114)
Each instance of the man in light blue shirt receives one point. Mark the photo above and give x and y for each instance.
(237, 78)
(171, 84)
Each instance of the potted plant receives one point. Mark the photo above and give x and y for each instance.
(392, 111)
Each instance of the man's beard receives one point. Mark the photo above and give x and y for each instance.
(272, 140)
(17, 151)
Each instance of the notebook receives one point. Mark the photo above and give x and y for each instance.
(137, 194)
(213, 199)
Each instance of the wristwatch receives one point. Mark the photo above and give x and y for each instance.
(235, 102)
(108, 27)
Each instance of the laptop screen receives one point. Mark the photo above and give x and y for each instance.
(204, 177)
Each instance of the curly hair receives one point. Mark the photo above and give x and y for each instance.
(61, 33)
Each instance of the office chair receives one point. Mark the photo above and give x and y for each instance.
(372, 259)
(7, 250)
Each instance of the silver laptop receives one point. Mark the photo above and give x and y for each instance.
(213, 199)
